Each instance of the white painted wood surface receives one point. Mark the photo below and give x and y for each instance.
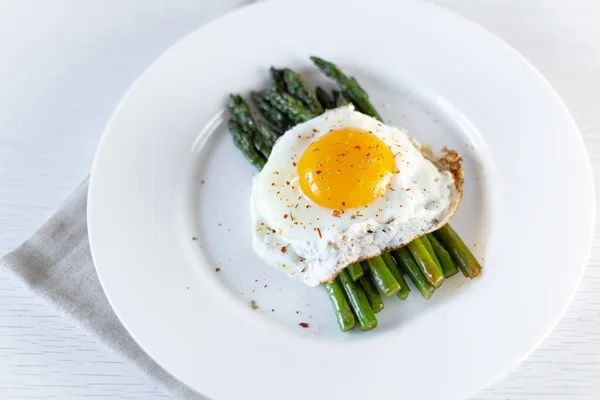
(63, 66)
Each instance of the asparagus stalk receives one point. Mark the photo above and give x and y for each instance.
(297, 87)
(462, 256)
(341, 100)
(443, 256)
(241, 112)
(278, 81)
(382, 277)
(246, 146)
(271, 114)
(289, 105)
(408, 264)
(433, 273)
(349, 86)
(358, 301)
(355, 270)
(242, 115)
(391, 264)
(425, 240)
(324, 98)
(373, 295)
(267, 134)
(343, 313)
(334, 95)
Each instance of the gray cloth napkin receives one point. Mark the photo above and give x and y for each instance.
(56, 263)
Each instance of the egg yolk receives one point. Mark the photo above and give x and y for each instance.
(345, 168)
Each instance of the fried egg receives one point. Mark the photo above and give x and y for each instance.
(344, 187)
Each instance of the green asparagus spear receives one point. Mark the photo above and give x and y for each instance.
(341, 100)
(241, 113)
(349, 86)
(459, 251)
(289, 105)
(273, 115)
(382, 276)
(343, 313)
(373, 295)
(266, 133)
(443, 256)
(334, 95)
(278, 82)
(326, 101)
(243, 143)
(358, 301)
(357, 84)
(361, 102)
(297, 87)
(355, 270)
(408, 264)
(425, 240)
(395, 270)
(433, 273)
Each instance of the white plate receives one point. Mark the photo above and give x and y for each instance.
(167, 171)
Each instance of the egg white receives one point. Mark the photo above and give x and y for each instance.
(312, 243)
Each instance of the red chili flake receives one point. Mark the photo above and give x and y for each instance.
(265, 286)
(297, 312)
(273, 184)
(273, 230)
(336, 213)
(287, 182)
(315, 130)
(318, 172)
(319, 230)
(401, 205)
(308, 206)
(285, 216)
(217, 269)
(283, 249)
(408, 190)
(303, 324)
(357, 147)
(272, 310)
(343, 203)
(294, 164)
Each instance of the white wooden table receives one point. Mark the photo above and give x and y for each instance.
(64, 64)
